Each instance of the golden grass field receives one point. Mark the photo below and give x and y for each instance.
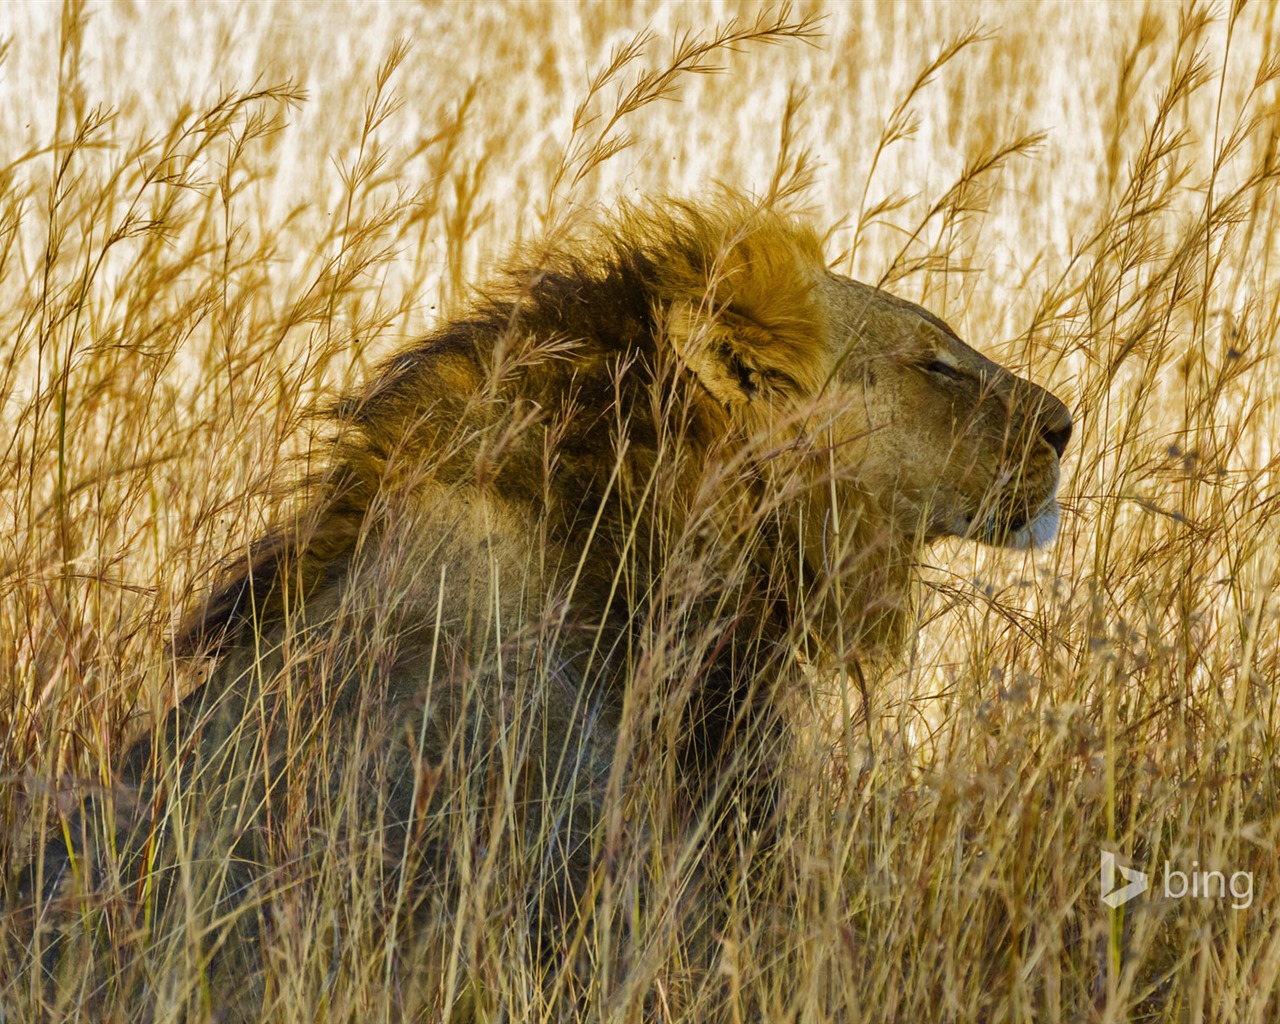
(214, 217)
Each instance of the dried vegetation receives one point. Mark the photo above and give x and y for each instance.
(213, 219)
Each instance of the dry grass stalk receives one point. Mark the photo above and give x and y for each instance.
(175, 299)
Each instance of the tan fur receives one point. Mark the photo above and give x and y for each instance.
(817, 375)
(569, 545)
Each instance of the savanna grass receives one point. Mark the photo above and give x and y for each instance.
(194, 257)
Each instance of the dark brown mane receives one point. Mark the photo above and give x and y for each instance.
(567, 343)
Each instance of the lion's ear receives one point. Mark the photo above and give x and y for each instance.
(741, 361)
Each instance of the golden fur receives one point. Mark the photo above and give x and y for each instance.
(569, 547)
(716, 331)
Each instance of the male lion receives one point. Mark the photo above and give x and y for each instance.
(530, 632)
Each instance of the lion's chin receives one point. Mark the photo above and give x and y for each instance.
(1020, 534)
(1033, 533)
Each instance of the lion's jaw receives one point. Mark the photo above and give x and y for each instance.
(1020, 534)
(1042, 529)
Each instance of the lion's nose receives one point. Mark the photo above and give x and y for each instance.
(1040, 412)
(1058, 433)
(1048, 417)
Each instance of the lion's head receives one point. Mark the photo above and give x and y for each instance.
(904, 433)
(951, 442)
(964, 447)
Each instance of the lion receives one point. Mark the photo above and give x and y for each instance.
(567, 559)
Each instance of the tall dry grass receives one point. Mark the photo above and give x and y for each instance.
(212, 219)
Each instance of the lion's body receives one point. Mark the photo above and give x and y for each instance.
(554, 586)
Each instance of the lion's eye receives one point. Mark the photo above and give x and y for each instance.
(944, 370)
